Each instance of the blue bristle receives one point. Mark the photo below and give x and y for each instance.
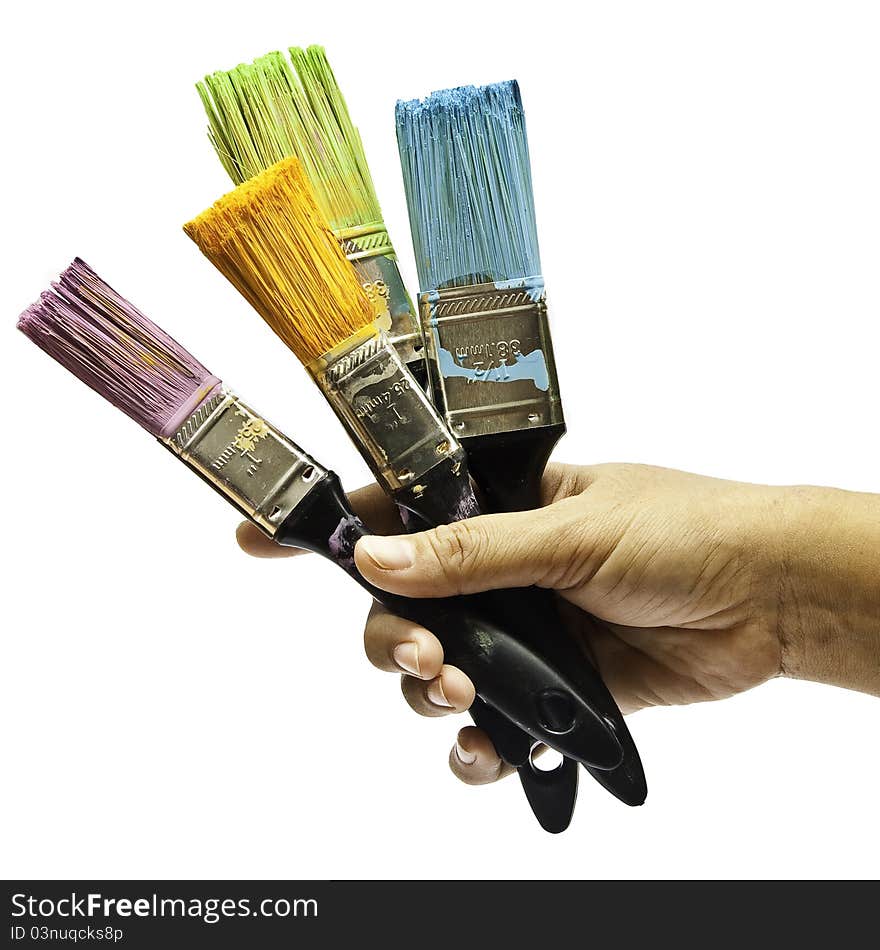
(468, 181)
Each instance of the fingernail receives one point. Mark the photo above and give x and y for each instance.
(463, 756)
(437, 696)
(406, 656)
(389, 554)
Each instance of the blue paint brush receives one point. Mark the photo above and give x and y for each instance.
(466, 170)
(467, 174)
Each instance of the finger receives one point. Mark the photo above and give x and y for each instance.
(473, 758)
(399, 646)
(551, 547)
(252, 541)
(377, 511)
(380, 514)
(450, 692)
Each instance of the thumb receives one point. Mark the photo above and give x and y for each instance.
(485, 553)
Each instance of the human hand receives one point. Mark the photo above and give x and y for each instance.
(682, 588)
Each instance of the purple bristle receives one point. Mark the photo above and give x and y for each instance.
(85, 325)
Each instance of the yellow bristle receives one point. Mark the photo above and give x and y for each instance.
(271, 241)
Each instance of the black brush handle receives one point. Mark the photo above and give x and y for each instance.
(508, 467)
(443, 494)
(627, 782)
(552, 795)
(527, 610)
(509, 676)
(446, 494)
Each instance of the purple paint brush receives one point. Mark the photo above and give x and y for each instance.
(111, 346)
(105, 341)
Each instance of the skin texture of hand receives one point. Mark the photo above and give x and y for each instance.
(681, 588)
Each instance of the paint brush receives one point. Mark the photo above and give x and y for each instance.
(117, 351)
(268, 238)
(467, 175)
(261, 112)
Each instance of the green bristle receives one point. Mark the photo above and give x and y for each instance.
(266, 111)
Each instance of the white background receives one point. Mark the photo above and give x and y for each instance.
(708, 199)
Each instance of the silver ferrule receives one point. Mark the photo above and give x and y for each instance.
(369, 250)
(490, 358)
(249, 462)
(384, 410)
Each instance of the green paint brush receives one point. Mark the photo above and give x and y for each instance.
(262, 112)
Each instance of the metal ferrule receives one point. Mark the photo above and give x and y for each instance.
(490, 358)
(249, 462)
(369, 250)
(386, 413)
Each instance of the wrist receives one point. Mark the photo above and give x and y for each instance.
(828, 587)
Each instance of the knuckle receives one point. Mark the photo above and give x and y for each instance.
(575, 555)
(568, 482)
(456, 547)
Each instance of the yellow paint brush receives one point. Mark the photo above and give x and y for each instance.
(269, 238)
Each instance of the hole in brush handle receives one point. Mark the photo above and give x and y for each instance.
(551, 794)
